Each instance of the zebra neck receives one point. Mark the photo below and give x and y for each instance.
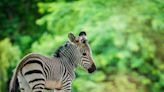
(70, 55)
(68, 67)
(69, 63)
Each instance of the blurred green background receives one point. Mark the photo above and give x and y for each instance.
(126, 37)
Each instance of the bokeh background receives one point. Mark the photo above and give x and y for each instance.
(126, 37)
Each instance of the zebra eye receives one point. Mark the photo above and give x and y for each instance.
(84, 54)
(77, 41)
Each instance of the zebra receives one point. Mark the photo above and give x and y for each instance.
(36, 73)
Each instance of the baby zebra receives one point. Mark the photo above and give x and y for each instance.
(36, 72)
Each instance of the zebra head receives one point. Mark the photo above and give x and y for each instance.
(85, 51)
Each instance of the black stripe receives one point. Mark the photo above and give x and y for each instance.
(64, 72)
(45, 72)
(38, 88)
(34, 61)
(48, 66)
(65, 81)
(67, 87)
(33, 71)
(65, 77)
(37, 85)
(67, 84)
(40, 79)
(30, 62)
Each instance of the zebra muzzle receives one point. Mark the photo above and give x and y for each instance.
(92, 68)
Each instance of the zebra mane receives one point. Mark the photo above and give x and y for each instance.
(60, 49)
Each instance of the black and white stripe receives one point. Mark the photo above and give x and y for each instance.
(37, 72)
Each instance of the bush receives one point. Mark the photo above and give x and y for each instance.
(126, 38)
(119, 34)
(9, 56)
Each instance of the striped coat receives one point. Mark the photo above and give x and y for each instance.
(36, 72)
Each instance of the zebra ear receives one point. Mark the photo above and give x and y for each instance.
(71, 37)
(82, 33)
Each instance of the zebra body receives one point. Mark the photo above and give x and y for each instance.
(50, 73)
(36, 72)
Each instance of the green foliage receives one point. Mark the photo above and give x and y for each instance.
(9, 56)
(126, 37)
(119, 36)
(18, 22)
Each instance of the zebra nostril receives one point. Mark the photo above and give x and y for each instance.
(92, 68)
(84, 41)
(84, 54)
